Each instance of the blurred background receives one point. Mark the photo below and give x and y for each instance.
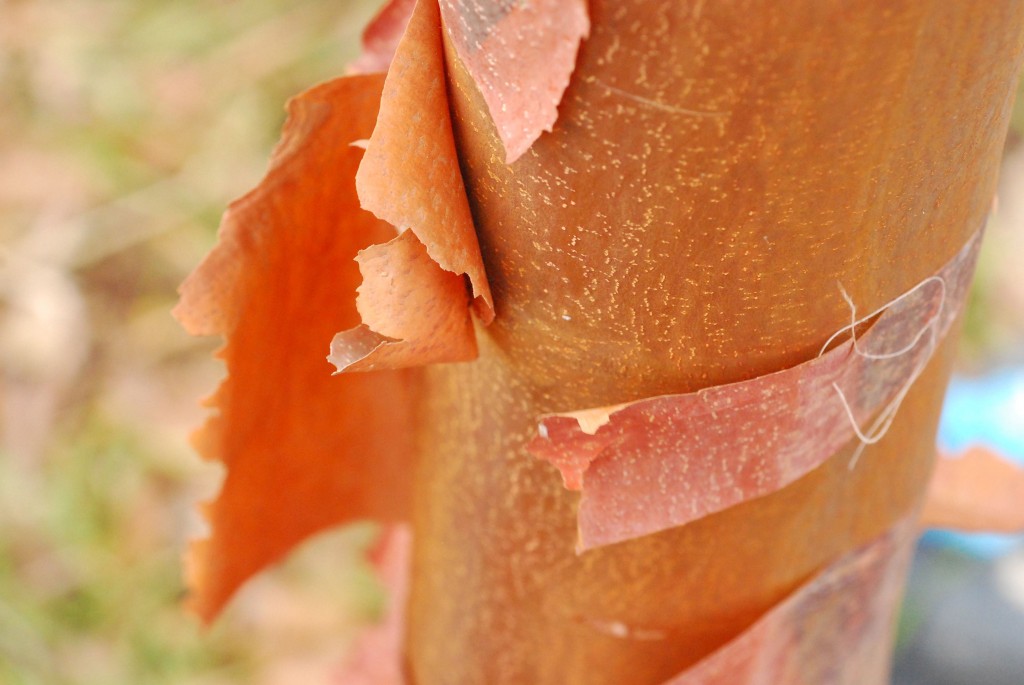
(126, 126)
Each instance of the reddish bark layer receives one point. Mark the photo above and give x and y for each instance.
(382, 36)
(662, 462)
(520, 55)
(835, 629)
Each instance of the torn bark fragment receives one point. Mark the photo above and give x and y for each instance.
(381, 37)
(284, 275)
(410, 178)
(303, 451)
(835, 629)
(521, 56)
(663, 462)
(976, 491)
(412, 310)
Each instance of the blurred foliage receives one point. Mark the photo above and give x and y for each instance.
(89, 586)
(1017, 118)
(126, 127)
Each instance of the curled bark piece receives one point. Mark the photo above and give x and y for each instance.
(834, 630)
(381, 37)
(410, 176)
(663, 462)
(279, 283)
(411, 308)
(521, 56)
(977, 491)
(375, 655)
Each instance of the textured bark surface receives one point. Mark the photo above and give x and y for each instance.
(715, 170)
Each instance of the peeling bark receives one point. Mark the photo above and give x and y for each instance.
(712, 172)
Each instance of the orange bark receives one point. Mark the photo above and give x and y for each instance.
(715, 170)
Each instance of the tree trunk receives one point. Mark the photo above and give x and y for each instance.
(716, 169)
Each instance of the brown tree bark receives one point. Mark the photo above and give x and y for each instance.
(715, 170)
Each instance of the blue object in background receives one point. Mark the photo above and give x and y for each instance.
(983, 411)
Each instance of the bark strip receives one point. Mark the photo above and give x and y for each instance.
(666, 461)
